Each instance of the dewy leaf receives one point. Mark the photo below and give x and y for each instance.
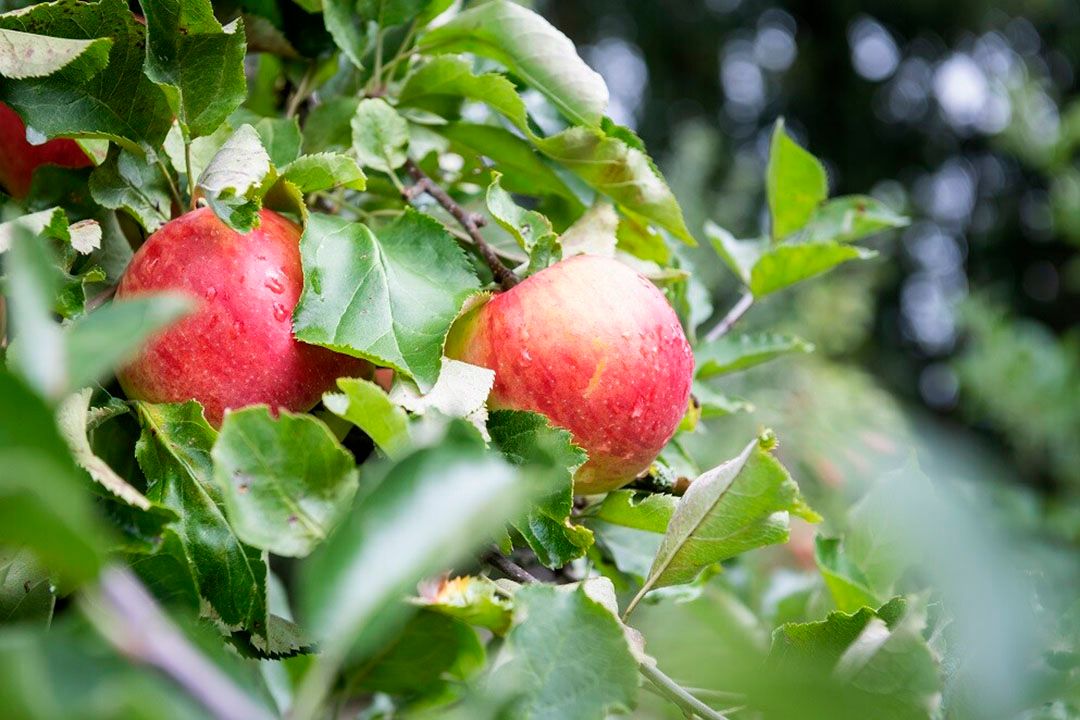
(589, 673)
(71, 416)
(421, 514)
(795, 183)
(530, 229)
(389, 298)
(640, 511)
(786, 264)
(97, 343)
(323, 171)
(26, 55)
(174, 454)
(732, 353)
(380, 135)
(117, 103)
(850, 218)
(846, 583)
(199, 63)
(237, 178)
(43, 501)
(129, 183)
(366, 405)
(475, 600)
(461, 391)
(738, 506)
(285, 482)
(530, 441)
(527, 45)
(26, 592)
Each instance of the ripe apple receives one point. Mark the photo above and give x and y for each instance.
(19, 159)
(237, 348)
(596, 348)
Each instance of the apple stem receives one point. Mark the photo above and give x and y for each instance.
(470, 221)
(728, 321)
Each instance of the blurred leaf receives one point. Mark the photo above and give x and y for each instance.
(738, 506)
(641, 511)
(285, 481)
(132, 184)
(594, 233)
(323, 171)
(37, 350)
(430, 651)
(786, 264)
(72, 417)
(739, 255)
(795, 183)
(380, 135)
(237, 178)
(732, 353)
(99, 342)
(389, 298)
(530, 441)
(43, 501)
(280, 136)
(588, 674)
(198, 63)
(327, 127)
(712, 404)
(474, 600)
(349, 29)
(850, 218)
(846, 583)
(118, 103)
(461, 391)
(412, 518)
(174, 454)
(26, 55)
(527, 45)
(26, 592)
(366, 405)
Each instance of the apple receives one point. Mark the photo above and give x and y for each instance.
(19, 159)
(237, 348)
(595, 347)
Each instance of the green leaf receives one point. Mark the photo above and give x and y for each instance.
(323, 171)
(237, 178)
(26, 55)
(529, 440)
(380, 135)
(795, 183)
(786, 264)
(594, 233)
(174, 454)
(452, 76)
(739, 255)
(118, 103)
(431, 651)
(134, 185)
(164, 565)
(712, 404)
(328, 125)
(72, 417)
(432, 508)
(198, 63)
(348, 28)
(738, 506)
(389, 298)
(588, 674)
(203, 149)
(733, 353)
(283, 639)
(280, 136)
(285, 482)
(460, 392)
(850, 218)
(26, 592)
(527, 45)
(846, 583)
(530, 229)
(101, 341)
(43, 501)
(474, 600)
(366, 405)
(641, 511)
(37, 350)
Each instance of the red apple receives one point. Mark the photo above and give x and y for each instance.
(596, 348)
(19, 159)
(238, 348)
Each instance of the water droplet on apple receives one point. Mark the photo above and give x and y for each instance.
(211, 293)
(526, 358)
(280, 312)
(275, 281)
(639, 408)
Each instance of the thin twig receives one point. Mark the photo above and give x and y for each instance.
(677, 694)
(508, 567)
(470, 221)
(175, 191)
(301, 93)
(129, 618)
(190, 177)
(728, 321)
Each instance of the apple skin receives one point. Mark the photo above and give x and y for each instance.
(237, 348)
(19, 159)
(595, 347)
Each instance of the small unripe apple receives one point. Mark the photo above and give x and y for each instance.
(19, 159)
(238, 347)
(596, 348)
